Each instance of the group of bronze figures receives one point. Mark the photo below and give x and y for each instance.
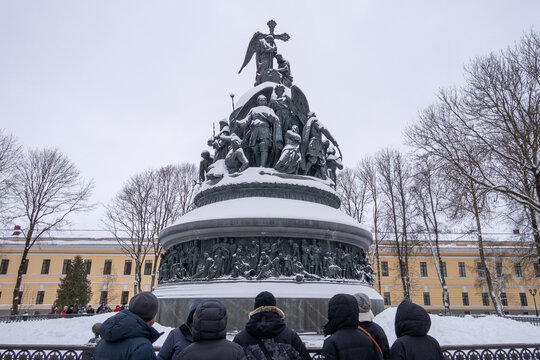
(260, 258)
(274, 127)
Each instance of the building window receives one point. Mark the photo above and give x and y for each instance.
(45, 266)
(444, 269)
(4, 266)
(504, 299)
(387, 300)
(25, 266)
(523, 299)
(485, 299)
(423, 269)
(480, 270)
(39, 297)
(107, 267)
(536, 269)
(148, 267)
(499, 269)
(0, 294)
(462, 272)
(66, 266)
(517, 269)
(88, 264)
(127, 267)
(125, 297)
(465, 298)
(384, 268)
(103, 297)
(427, 300)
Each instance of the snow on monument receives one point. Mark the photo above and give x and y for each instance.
(267, 216)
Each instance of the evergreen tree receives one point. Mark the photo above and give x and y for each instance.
(74, 288)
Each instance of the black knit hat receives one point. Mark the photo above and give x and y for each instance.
(145, 304)
(265, 298)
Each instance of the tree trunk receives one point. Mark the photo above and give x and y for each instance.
(17, 289)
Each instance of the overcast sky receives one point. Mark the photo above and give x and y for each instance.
(124, 86)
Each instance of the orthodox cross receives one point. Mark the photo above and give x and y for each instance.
(272, 25)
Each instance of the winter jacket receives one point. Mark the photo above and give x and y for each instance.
(413, 343)
(346, 342)
(126, 336)
(179, 338)
(378, 335)
(209, 330)
(267, 322)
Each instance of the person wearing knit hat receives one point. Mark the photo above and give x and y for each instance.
(365, 320)
(267, 326)
(129, 334)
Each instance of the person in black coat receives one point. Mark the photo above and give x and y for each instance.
(209, 330)
(413, 343)
(346, 341)
(267, 322)
(365, 319)
(179, 338)
(129, 334)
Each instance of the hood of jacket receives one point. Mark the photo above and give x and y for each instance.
(266, 322)
(342, 312)
(186, 328)
(411, 319)
(126, 325)
(210, 321)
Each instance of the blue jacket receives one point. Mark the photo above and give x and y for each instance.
(125, 336)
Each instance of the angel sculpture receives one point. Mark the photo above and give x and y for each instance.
(264, 46)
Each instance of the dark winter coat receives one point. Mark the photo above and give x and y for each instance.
(267, 322)
(346, 340)
(209, 330)
(413, 343)
(179, 338)
(126, 336)
(379, 335)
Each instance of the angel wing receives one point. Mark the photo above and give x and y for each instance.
(252, 49)
(299, 104)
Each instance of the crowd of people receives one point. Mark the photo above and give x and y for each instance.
(351, 332)
(86, 310)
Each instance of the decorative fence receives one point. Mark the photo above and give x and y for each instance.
(452, 352)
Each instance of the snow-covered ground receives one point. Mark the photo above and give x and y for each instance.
(448, 330)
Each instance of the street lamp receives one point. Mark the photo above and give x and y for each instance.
(533, 293)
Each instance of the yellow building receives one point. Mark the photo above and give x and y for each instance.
(112, 272)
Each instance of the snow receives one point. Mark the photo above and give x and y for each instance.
(448, 330)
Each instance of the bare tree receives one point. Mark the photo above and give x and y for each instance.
(352, 192)
(9, 153)
(48, 188)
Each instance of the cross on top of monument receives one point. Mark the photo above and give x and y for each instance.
(272, 25)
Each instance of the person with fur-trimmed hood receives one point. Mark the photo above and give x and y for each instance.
(365, 318)
(413, 343)
(266, 326)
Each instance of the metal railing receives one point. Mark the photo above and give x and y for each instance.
(450, 352)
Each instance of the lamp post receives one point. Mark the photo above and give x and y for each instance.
(533, 294)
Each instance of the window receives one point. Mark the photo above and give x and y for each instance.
(423, 269)
(465, 298)
(387, 300)
(148, 267)
(499, 269)
(125, 297)
(536, 269)
(523, 299)
(485, 299)
(66, 266)
(127, 267)
(443, 270)
(384, 268)
(45, 266)
(462, 272)
(0, 294)
(504, 299)
(107, 267)
(39, 297)
(4, 266)
(25, 266)
(427, 300)
(103, 297)
(517, 269)
(88, 264)
(480, 270)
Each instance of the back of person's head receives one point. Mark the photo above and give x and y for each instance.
(364, 307)
(95, 328)
(210, 321)
(342, 312)
(411, 319)
(264, 298)
(145, 305)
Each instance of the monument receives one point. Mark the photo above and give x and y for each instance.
(267, 215)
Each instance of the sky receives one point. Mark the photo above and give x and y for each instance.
(124, 86)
